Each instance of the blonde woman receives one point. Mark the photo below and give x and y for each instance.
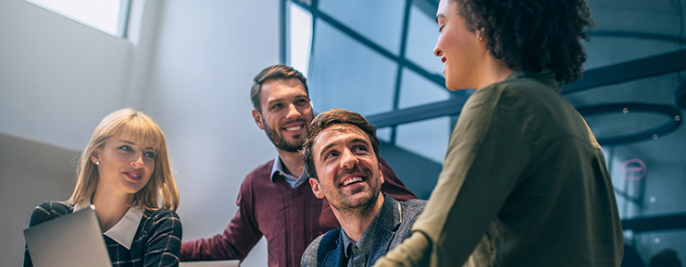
(124, 172)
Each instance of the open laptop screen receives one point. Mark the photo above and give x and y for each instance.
(72, 240)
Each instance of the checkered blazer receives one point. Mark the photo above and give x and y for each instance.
(157, 241)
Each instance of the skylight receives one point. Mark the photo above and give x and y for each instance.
(109, 16)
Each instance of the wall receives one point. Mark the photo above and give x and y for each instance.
(654, 190)
(187, 64)
(30, 173)
(58, 78)
(201, 71)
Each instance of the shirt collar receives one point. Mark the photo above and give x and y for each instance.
(125, 230)
(545, 76)
(385, 220)
(277, 168)
(347, 242)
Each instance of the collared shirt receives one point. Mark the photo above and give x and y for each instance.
(390, 226)
(278, 170)
(124, 231)
(347, 242)
(352, 249)
(156, 236)
(289, 219)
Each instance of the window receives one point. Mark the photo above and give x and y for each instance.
(110, 16)
(300, 38)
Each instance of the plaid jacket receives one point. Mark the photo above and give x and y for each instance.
(157, 241)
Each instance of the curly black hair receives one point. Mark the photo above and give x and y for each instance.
(532, 35)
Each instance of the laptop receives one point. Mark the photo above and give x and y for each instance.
(72, 240)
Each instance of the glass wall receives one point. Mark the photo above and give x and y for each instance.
(376, 58)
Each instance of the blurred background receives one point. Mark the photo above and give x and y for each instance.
(65, 64)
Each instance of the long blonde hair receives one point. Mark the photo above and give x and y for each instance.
(159, 192)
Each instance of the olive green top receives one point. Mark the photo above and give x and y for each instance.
(524, 183)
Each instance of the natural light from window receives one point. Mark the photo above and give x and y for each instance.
(106, 15)
(300, 38)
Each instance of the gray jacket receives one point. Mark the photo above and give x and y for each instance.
(390, 226)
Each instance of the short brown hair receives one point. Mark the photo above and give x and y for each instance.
(274, 72)
(333, 117)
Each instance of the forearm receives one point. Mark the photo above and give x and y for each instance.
(470, 189)
(217, 247)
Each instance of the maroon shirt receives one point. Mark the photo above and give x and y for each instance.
(289, 218)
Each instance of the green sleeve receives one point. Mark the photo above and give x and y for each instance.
(487, 154)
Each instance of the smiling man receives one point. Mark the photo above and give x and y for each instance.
(342, 158)
(274, 200)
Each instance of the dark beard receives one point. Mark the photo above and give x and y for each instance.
(356, 212)
(365, 206)
(279, 142)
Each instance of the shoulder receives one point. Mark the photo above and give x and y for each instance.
(55, 207)
(261, 173)
(504, 92)
(161, 215)
(525, 89)
(254, 181)
(414, 206)
(309, 257)
(321, 246)
(162, 219)
(49, 210)
(521, 84)
(512, 103)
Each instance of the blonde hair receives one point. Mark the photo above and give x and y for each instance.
(160, 191)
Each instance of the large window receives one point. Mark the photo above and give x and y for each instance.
(372, 58)
(375, 58)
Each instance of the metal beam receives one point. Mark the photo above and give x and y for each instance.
(401, 55)
(283, 37)
(618, 73)
(629, 71)
(639, 35)
(452, 106)
(655, 223)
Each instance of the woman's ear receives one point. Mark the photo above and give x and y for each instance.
(94, 156)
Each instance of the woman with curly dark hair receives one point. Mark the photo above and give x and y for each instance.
(524, 182)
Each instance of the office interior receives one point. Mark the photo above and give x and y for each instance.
(190, 64)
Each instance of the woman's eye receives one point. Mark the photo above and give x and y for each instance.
(440, 28)
(125, 148)
(149, 154)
